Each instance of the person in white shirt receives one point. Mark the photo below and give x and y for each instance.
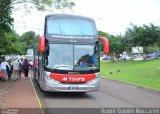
(31, 64)
(3, 69)
(15, 65)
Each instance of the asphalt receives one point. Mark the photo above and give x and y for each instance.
(111, 94)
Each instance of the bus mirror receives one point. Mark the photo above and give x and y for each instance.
(105, 43)
(42, 44)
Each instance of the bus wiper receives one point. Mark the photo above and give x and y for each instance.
(63, 67)
(92, 68)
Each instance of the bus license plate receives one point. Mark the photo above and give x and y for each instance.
(73, 87)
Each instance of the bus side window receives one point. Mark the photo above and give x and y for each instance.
(95, 53)
(47, 53)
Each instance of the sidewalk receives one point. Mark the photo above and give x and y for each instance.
(21, 98)
(4, 90)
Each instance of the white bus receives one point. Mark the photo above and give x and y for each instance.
(67, 57)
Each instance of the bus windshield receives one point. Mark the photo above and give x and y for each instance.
(70, 27)
(72, 57)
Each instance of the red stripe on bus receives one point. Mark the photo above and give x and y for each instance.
(72, 77)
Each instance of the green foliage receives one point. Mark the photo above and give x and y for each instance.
(10, 40)
(115, 42)
(141, 73)
(29, 38)
(44, 5)
(11, 44)
(146, 35)
(5, 16)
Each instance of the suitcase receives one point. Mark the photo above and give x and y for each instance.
(1, 74)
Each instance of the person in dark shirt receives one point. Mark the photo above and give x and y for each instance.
(26, 68)
(9, 69)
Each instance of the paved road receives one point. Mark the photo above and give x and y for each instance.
(110, 95)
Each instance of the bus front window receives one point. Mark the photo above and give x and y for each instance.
(85, 57)
(60, 56)
(72, 57)
(70, 27)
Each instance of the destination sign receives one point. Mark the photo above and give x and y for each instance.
(72, 37)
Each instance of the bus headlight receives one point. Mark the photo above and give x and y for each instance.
(95, 79)
(47, 74)
(52, 80)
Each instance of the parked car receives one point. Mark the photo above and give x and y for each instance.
(129, 57)
(138, 57)
(151, 56)
(158, 54)
(105, 58)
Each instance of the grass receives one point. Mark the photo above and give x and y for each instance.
(144, 74)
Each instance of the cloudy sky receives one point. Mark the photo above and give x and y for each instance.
(112, 16)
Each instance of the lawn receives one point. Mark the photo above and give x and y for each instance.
(144, 74)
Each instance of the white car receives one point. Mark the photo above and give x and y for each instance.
(139, 58)
(105, 58)
(128, 57)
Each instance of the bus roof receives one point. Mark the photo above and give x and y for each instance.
(88, 34)
(63, 16)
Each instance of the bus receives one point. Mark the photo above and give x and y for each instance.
(67, 56)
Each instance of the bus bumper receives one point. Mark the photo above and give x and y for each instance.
(63, 87)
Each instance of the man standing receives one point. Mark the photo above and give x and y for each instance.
(15, 65)
(26, 68)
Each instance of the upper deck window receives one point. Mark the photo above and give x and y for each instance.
(70, 27)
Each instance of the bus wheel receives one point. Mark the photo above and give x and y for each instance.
(42, 90)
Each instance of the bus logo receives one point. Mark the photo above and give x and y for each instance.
(73, 79)
(64, 79)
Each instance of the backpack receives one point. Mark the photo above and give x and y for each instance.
(26, 66)
(20, 66)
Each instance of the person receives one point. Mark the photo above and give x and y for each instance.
(15, 65)
(3, 69)
(26, 68)
(124, 57)
(20, 68)
(83, 63)
(0, 65)
(93, 60)
(31, 64)
(9, 70)
(93, 57)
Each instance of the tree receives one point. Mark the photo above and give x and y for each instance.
(146, 36)
(6, 21)
(29, 38)
(11, 44)
(5, 16)
(5, 26)
(44, 5)
(115, 42)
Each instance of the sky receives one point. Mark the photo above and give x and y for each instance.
(111, 16)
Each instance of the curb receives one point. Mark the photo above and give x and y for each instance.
(39, 101)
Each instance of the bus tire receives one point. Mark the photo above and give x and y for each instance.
(42, 90)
